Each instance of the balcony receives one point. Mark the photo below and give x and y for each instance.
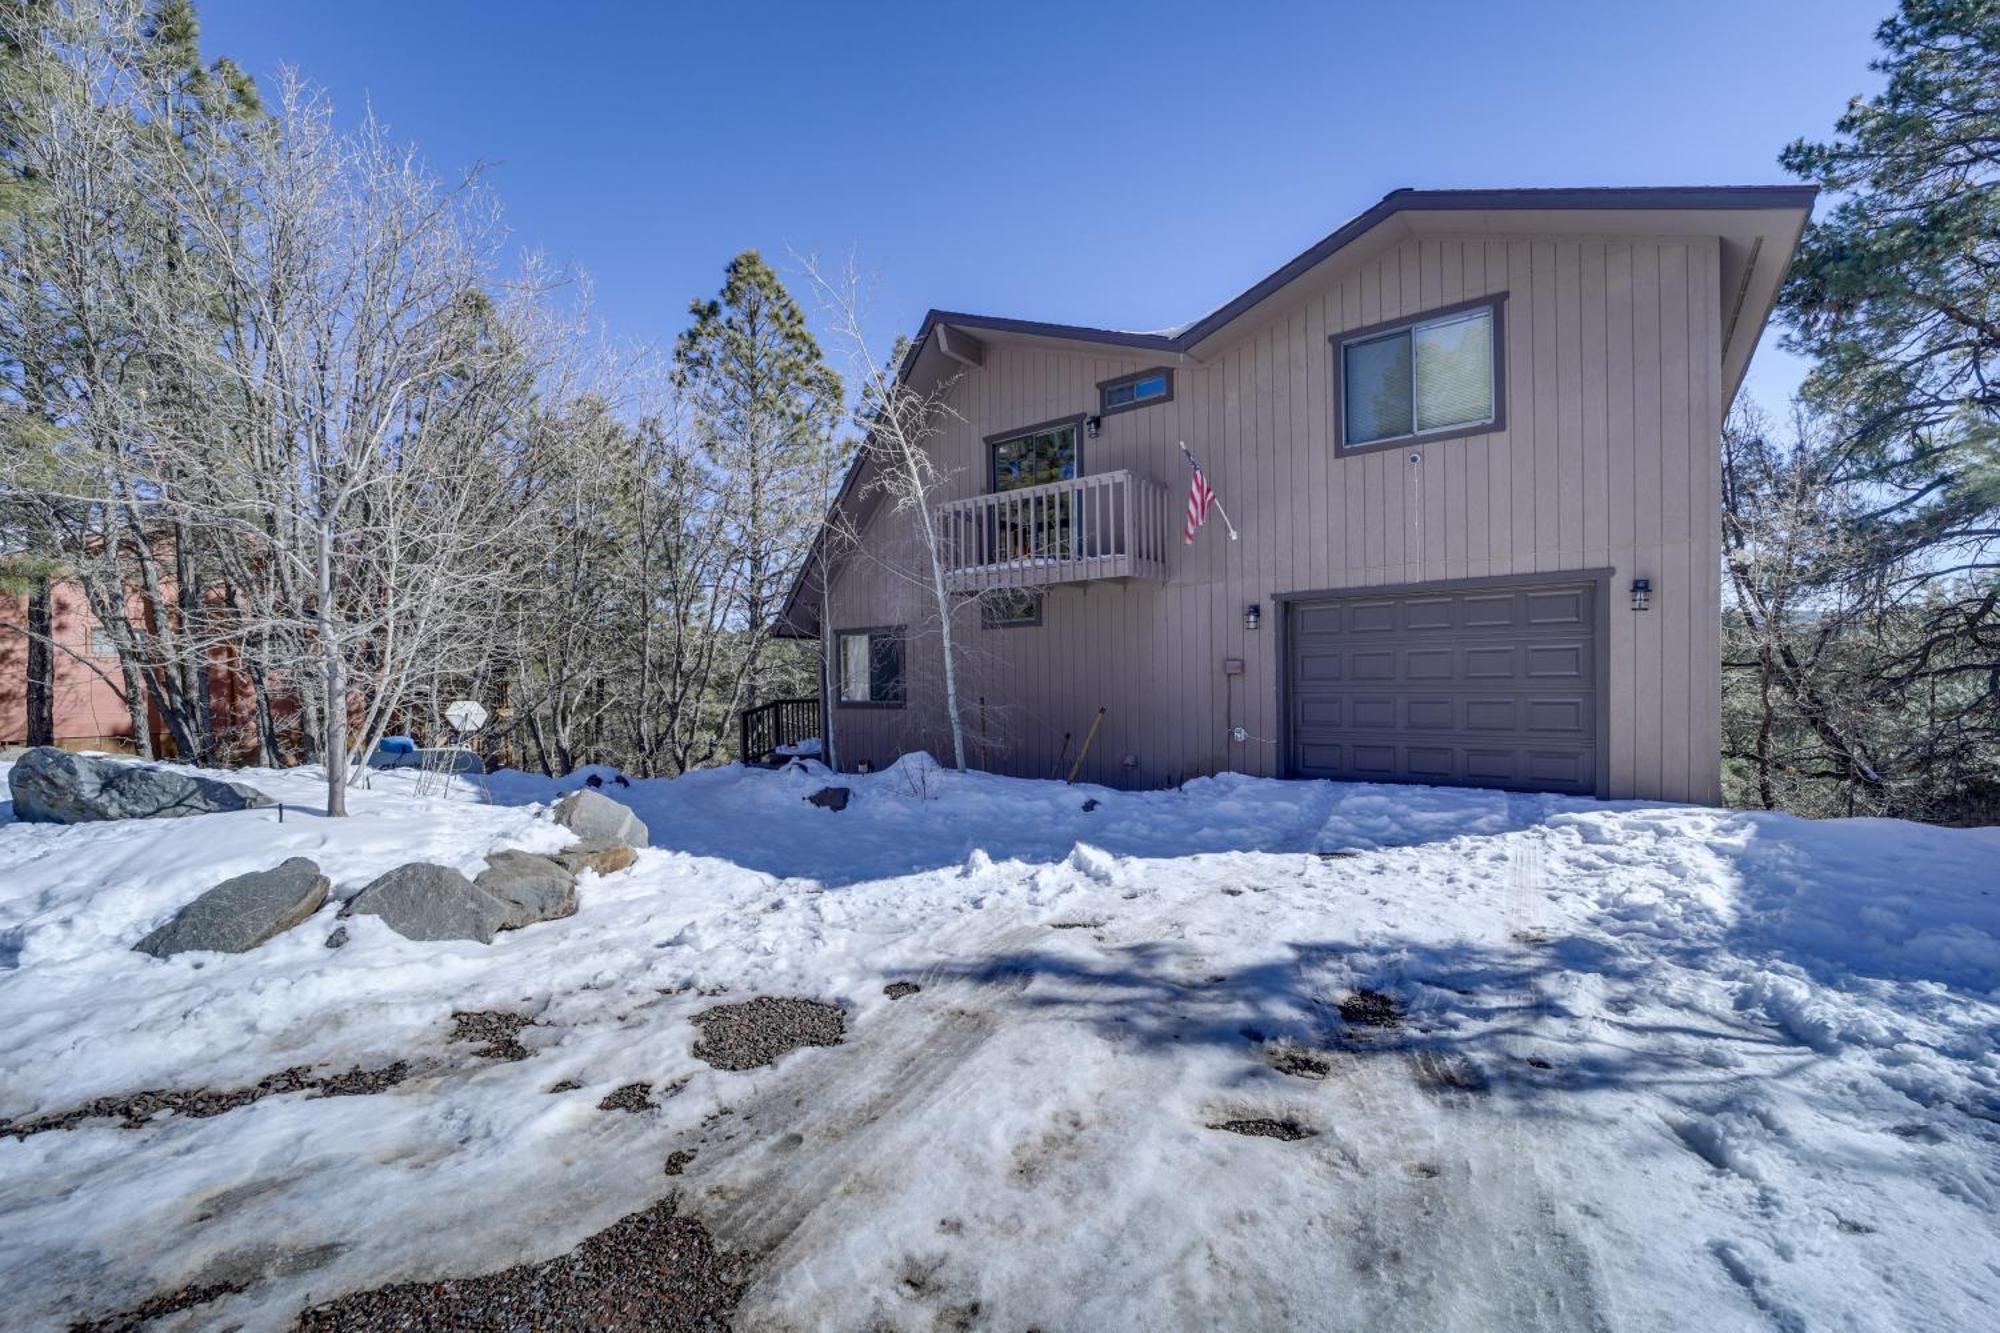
(1111, 525)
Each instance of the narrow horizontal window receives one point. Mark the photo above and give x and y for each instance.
(870, 663)
(1010, 608)
(1141, 390)
(1436, 375)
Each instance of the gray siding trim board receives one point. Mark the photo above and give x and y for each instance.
(1601, 633)
(1497, 303)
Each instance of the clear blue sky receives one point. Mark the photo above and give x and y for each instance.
(1130, 166)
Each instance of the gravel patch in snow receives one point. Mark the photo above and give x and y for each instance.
(896, 990)
(1371, 1009)
(756, 1032)
(133, 1110)
(633, 1097)
(1261, 1127)
(499, 1030)
(651, 1270)
(1298, 1063)
(156, 1307)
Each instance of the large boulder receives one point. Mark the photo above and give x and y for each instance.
(52, 786)
(595, 817)
(420, 901)
(534, 887)
(239, 914)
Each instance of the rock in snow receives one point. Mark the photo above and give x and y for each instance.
(535, 887)
(830, 798)
(421, 901)
(239, 914)
(595, 817)
(606, 858)
(52, 786)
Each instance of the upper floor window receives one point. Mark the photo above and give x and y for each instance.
(1035, 456)
(1140, 390)
(1431, 377)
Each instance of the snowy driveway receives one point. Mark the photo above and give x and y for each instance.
(1504, 1062)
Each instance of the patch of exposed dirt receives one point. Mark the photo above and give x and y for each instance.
(567, 1085)
(1340, 855)
(756, 1032)
(1299, 1064)
(633, 1097)
(1074, 925)
(678, 1159)
(1371, 1009)
(134, 1109)
(896, 990)
(156, 1307)
(1287, 1129)
(499, 1030)
(651, 1270)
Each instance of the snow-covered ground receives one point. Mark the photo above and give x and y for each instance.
(1658, 1067)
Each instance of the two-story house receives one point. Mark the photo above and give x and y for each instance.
(1468, 443)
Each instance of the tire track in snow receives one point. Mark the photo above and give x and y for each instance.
(805, 1141)
(1454, 1221)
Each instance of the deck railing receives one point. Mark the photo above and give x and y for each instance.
(1110, 525)
(768, 728)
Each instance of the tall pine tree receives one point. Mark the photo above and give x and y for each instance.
(1895, 294)
(766, 406)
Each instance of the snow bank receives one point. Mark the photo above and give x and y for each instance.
(1639, 1066)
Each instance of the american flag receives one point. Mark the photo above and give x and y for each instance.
(1200, 497)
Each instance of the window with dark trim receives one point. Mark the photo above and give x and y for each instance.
(1036, 455)
(870, 664)
(1430, 377)
(1010, 608)
(1142, 389)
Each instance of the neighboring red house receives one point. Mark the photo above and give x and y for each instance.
(90, 711)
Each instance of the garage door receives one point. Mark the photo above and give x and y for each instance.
(1488, 687)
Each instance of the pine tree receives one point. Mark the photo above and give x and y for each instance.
(766, 406)
(1895, 293)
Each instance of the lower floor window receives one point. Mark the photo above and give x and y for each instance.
(871, 666)
(1005, 608)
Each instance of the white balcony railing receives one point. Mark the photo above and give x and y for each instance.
(1111, 525)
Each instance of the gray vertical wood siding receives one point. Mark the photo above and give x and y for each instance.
(1608, 460)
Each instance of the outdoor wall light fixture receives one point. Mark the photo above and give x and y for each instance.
(1090, 425)
(1253, 616)
(1642, 594)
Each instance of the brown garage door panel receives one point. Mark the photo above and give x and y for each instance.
(1491, 686)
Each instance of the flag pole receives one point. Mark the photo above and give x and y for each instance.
(1213, 498)
(1225, 520)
